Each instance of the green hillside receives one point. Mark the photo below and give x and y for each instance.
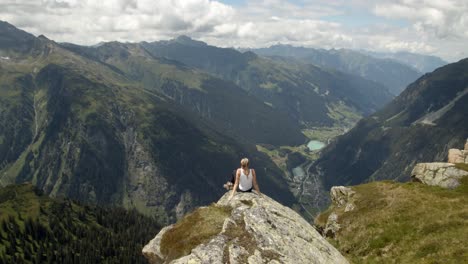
(37, 229)
(403, 223)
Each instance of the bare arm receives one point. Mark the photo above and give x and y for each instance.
(255, 182)
(236, 184)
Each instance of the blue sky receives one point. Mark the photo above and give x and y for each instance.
(434, 27)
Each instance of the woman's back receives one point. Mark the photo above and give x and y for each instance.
(245, 181)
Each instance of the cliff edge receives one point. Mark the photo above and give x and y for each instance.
(247, 229)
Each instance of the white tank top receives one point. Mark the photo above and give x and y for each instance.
(245, 181)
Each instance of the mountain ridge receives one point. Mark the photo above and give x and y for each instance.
(391, 73)
(285, 85)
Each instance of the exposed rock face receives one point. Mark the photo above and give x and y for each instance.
(258, 230)
(442, 174)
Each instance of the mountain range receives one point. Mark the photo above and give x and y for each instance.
(394, 70)
(122, 124)
(310, 95)
(422, 63)
(159, 126)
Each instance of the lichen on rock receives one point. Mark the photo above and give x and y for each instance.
(256, 229)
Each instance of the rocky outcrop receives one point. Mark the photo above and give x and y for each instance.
(343, 197)
(458, 156)
(455, 156)
(441, 174)
(332, 226)
(256, 230)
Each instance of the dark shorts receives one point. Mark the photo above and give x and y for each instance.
(249, 190)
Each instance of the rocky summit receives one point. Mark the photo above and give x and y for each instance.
(246, 229)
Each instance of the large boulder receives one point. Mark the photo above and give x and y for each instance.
(456, 156)
(441, 174)
(253, 230)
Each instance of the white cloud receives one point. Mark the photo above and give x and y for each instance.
(430, 26)
(442, 19)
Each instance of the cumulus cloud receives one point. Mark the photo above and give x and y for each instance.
(443, 19)
(430, 26)
(88, 21)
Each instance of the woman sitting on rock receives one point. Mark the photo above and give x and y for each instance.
(246, 179)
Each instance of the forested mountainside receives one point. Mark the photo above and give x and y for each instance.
(310, 95)
(394, 75)
(91, 131)
(37, 229)
(420, 125)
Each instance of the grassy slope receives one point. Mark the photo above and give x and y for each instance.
(404, 223)
(194, 229)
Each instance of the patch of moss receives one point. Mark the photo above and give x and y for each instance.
(194, 229)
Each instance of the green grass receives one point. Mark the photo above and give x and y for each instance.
(404, 223)
(343, 114)
(194, 229)
(462, 166)
(323, 134)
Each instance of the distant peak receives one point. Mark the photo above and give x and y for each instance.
(250, 55)
(42, 37)
(186, 40)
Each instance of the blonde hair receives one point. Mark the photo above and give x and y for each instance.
(244, 162)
